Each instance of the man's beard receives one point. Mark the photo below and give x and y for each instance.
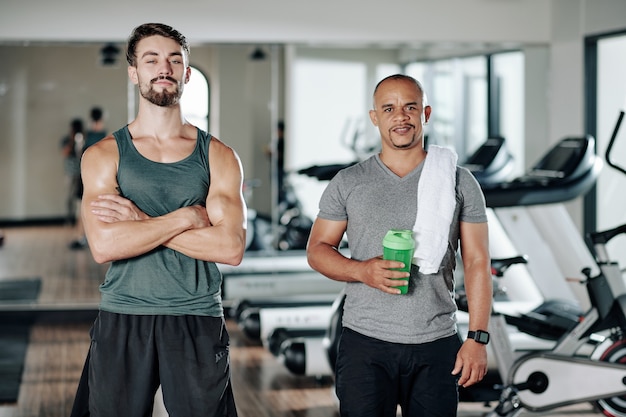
(410, 144)
(164, 98)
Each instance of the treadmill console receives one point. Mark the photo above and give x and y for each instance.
(491, 163)
(570, 158)
(567, 171)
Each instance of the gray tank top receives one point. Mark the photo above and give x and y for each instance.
(162, 281)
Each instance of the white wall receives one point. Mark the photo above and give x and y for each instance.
(270, 21)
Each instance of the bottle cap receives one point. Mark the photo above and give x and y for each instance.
(399, 239)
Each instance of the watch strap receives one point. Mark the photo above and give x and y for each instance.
(479, 336)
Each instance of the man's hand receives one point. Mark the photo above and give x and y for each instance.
(377, 273)
(198, 215)
(112, 208)
(471, 363)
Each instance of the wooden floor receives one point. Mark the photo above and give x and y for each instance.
(263, 386)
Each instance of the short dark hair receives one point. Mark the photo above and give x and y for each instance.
(77, 125)
(96, 114)
(152, 29)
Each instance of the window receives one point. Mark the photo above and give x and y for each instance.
(464, 113)
(195, 100)
(457, 91)
(507, 104)
(605, 67)
(472, 98)
(329, 105)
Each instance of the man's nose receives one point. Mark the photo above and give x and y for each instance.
(165, 69)
(402, 114)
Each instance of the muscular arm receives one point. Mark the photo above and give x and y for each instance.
(124, 239)
(323, 256)
(224, 240)
(217, 232)
(472, 357)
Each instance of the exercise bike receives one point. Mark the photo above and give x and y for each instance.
(587, 362)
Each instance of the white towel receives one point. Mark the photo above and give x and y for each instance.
(437, 201)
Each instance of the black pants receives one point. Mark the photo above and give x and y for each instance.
(130, 356)
(373, 377)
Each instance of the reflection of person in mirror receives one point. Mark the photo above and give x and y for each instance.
(404, 349)
(277, 156)
(71, 149)
(163, 204)
(94, 133)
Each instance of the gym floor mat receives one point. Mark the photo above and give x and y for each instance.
(14, 335)
(19, 290)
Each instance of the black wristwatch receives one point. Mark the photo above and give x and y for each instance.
(480, 336)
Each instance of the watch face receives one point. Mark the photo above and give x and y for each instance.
(479, 336)
(482, 337)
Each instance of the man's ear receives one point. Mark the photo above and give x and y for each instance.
(427, 111)
(132, 74)
(373, 117)
(187, 74)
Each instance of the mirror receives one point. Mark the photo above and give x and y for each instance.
(44, 86)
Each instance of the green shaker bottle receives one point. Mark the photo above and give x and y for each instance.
(398, 245)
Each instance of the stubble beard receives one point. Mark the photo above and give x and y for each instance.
(164, 98)
(413, 141)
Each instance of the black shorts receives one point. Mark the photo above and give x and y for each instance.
(373, 377)
(131, 355)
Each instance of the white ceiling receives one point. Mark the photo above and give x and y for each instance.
(347, 22)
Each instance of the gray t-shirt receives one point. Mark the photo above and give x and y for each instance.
(373, 200)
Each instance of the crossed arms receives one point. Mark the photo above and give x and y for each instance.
(116, 229)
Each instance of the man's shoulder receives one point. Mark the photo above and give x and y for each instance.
(216, 145)
(359, 168)
(106, 146)
(352, 176)
(465, 177)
